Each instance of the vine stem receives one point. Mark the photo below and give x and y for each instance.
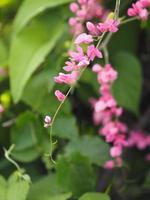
(106, 55)
(56, 113)
(117, 9)
(129, 20)
(116, 15)
(7, 156)
(108, 188)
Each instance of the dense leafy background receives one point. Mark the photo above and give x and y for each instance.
(34, 38)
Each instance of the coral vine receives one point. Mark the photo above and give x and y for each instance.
(89, 41)
(106, 112)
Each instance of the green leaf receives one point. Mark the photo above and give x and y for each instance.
(47, 188)
(31, 8)
(44, 83)
(29, 49)
(94, 196)
(90, 78)
(3, 188)
(97, 151)
(3, 53)
(126, 39)
(45, 103)
(65, 127)
(127, 88)
(147, 180)
(17, 187)
(75, 174)
(61, 196)
(29, 137)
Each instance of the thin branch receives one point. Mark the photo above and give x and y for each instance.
(7, 156)
(117, 9)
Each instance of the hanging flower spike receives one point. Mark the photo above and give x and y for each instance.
(106, 112)
(60, 96)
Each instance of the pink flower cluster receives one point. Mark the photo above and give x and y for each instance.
(138, 139)
(140, 9)
(106, 112)
(77, 61)
(85, 10)
(110, 25)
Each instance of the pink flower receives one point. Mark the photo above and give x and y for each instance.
(139, 9)
(110, 129)
(110, 25)
(100, 105)
(72, 21)
(82, 1)
(77, 55)
(96, 68)
(60, 96)
(108, 74)
(120, 140)
(65, 78)
(145, 3)
(74, 7)
(92, 28)
(119, 161)
(69, 66)
(93, 52)
(117, 111)
(143, 14)
(109, 164)
(113, 25)
(84, 62)
(115, 151)
(84, 38)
